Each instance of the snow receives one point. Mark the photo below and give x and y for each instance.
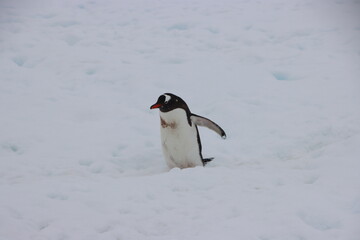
(80, 152)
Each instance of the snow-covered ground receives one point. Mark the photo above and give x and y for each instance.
(80, 154)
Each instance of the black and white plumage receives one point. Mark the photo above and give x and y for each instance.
(180, 137)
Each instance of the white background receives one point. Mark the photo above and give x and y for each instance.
(80, 154)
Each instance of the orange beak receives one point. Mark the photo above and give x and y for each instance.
(156, 105)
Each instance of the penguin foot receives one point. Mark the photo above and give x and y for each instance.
(206, 160)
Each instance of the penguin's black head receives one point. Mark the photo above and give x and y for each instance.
(168, 102)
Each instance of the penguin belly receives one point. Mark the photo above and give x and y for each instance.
(179, 140)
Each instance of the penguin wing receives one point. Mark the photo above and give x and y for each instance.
(204, 122)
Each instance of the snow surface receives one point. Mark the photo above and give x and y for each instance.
(80, 150)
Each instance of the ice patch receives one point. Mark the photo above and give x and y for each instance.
(71, 40)
(174, 61)
(97, 169)
(66, 23)
(27, 62)
(355, 207)
(43, 225)
(213, 30)
(57, 196)
(90, 71)
(179, 27)
(284, 76)
(19, 60)
(311, 179)
(14, 148)
(319, 221)
(104, 229)
(86, 162)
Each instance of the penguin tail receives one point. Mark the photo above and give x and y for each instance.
(206, 160)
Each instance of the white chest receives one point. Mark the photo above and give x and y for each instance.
(179, 140)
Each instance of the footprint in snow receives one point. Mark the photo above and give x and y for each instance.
(57, 196)
(285, 76)
(319, 221)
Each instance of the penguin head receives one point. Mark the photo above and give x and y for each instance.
(168, 102)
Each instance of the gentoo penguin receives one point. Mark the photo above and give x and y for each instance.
(180, 137)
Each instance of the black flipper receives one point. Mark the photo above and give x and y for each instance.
(204, 122)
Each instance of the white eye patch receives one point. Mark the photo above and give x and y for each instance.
(167, 98)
